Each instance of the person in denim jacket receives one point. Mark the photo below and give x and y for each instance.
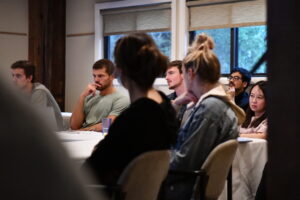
(213, 120)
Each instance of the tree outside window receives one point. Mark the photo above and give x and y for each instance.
(162, 40)
(221, 38)
(252, 44)
(247, 47)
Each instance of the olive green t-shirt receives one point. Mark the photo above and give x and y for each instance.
(98, 107)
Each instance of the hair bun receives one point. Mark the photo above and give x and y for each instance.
(144, 50)
(202, 42)
(139, 59)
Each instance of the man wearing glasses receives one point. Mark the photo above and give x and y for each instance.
(239, 80)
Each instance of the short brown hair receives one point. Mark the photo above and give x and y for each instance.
(27, 66)
(105, 63)
(176, 63)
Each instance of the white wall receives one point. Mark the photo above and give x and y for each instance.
(13, 34)
(79, 48)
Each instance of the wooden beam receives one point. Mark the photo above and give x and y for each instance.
(283, 100)
(47, 35)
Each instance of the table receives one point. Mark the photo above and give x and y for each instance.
(79, 144)
(247, 168)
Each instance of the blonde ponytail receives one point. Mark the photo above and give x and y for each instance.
(202, 59)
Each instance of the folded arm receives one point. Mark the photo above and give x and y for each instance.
(78, 115)
(98, 126)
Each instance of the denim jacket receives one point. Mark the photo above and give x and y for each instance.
(214, 120)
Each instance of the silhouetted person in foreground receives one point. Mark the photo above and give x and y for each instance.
(34, 165)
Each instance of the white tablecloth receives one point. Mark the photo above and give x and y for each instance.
(247, 169)
(247, 166)
(79, 144)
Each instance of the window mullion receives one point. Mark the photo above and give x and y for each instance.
(234, 48)
(106, 47)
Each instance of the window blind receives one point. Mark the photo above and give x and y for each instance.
(152, 18)
(212, 14)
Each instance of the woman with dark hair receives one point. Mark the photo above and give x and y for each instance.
(149, 123)
(255, 125)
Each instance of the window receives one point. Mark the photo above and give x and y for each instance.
(241, 47)
(168, 22)
(221, 38)
(162, 40)
(251, 46)
(109, 46)
(121, 18)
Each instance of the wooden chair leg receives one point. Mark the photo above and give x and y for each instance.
(229, 184)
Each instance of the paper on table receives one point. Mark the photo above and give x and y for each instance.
(243, 139)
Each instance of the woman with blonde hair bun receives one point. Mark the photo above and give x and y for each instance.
(213, 120)
(199, 42)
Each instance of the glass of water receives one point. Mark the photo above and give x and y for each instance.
(106, 122)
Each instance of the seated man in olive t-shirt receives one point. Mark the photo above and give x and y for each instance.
(99, 100)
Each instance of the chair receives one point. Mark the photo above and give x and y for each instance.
(211, 178)
(216, 167)
(142, 178)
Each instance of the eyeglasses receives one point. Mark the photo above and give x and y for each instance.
(235, 78)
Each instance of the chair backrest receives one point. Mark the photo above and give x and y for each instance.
(142, 178)
(217, 166)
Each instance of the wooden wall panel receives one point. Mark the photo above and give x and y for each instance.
(47, 35)
(283, 101)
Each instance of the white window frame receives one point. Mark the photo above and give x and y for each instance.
(179, 27)
(179, 30)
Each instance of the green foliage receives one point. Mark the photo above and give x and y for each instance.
(252, 44)
(221, 38)
(162, 40)
(112, 43)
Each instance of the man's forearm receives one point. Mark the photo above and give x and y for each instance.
(95, 127)
(98, 126)
(78, 116)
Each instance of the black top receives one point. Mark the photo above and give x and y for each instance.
(242, 100)
(144, 126)
(172, 96)
(182, 108)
